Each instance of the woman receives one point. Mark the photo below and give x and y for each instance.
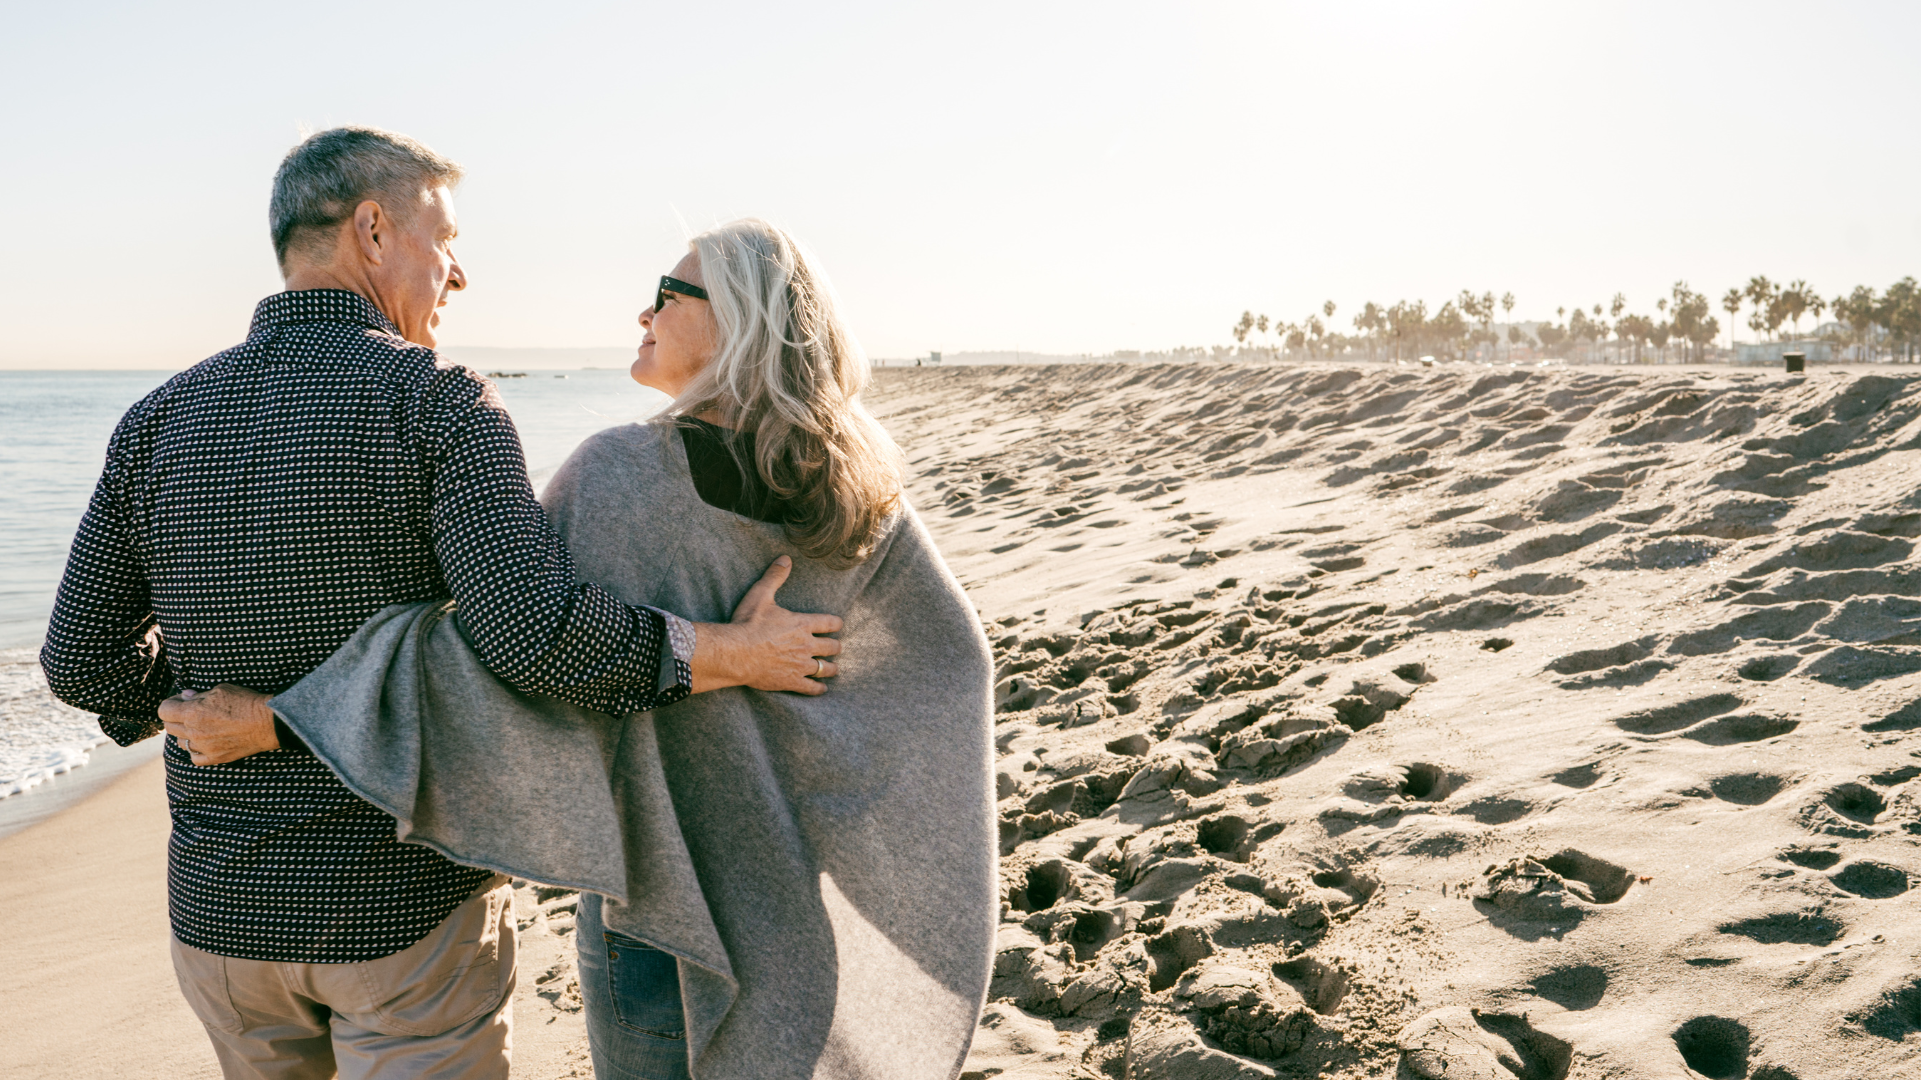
(744, 336)
(797, 885)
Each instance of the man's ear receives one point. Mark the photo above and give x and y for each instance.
(370, 231)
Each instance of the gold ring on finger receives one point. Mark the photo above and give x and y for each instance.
(819, 666)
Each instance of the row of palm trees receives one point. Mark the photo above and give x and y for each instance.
(1872, 326)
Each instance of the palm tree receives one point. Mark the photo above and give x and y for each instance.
(1857, 310)
(1634, 330)
(1296, 337)
(1370, 322)
(1692, 323)
(1507, 309)
(1615, 308)
(1900, 314)
(1762, 294)
(1731, 303)
(1407, 324)
(1798, 300)
(1515, 336)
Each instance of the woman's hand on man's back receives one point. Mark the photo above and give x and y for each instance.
(766, 647)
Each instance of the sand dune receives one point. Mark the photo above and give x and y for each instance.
(1460, 721)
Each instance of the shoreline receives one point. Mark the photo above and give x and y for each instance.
(46, 747)
(54, 795)
(91, 991)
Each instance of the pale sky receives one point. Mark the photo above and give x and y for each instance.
(1055, 177)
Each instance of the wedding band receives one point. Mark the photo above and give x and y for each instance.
(819, 666)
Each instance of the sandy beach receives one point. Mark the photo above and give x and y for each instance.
(1443, 721)
(1353, 722)
(93, 994)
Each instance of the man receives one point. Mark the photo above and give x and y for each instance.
(255, 510)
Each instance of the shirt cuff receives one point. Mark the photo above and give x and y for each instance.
(677, 660)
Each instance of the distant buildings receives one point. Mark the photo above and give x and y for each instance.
(1770, 352)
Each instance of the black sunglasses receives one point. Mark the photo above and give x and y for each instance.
(679, 288)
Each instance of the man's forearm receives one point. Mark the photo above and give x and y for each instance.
(102, 652)
(529, 619)
(118, 680)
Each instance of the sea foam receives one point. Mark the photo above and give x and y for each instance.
(39, 737)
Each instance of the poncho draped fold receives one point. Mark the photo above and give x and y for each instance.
(822, 867)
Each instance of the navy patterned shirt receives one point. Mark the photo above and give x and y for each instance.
(253, 512)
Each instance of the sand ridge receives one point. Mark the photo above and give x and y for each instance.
(1451, 721)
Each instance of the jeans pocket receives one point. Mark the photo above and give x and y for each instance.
(645, 986)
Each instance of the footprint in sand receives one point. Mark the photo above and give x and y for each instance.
(1229, 836)
(1578, 776)
(1837, 551)
(1768, 624)
(1897, 1015)
(1556, 891)
(1496, 809)
(1849, 810)
(1873, 880)
(1585, 660)
(1321, 986)
(1906, 718)
(1768, 668)
(1747, 789)
(1714, 1046)
(1665, 718)
(1429, 783)
(1811, 858)
(1577, 987)
(1729, 730)
(1626, 664)
(1787, 928)
(1461, 1042)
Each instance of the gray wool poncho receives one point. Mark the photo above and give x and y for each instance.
(823, 867)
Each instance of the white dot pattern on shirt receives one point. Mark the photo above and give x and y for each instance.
(253, 512)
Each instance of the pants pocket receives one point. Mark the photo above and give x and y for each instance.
(645, 986)
(203, 982)
(454, 975)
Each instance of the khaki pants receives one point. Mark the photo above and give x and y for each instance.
(440, 1008)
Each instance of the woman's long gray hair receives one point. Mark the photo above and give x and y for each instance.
(788, 371)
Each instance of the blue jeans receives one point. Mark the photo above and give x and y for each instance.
(635, 1025)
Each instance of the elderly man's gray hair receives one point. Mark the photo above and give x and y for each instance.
(331, 172)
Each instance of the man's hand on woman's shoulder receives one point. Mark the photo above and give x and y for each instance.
(223, 724)
(766, 647)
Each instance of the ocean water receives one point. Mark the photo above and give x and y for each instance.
(53, 435)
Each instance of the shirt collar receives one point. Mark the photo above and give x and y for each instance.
(319, 305)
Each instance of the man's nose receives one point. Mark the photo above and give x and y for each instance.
(456, 277)
(647, 318)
